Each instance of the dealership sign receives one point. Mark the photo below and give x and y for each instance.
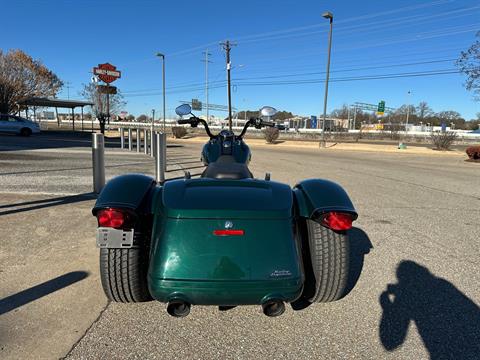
(107, 72)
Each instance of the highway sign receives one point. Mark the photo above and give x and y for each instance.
(107, 72)
(381, 108)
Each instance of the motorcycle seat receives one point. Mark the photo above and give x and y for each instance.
(227, 168)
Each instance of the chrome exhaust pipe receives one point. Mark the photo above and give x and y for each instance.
(273, 308)
(178, 308)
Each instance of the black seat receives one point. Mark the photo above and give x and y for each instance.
(227, 168)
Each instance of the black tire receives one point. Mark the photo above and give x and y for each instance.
(124, 274)
(326, 260)
(25, 132)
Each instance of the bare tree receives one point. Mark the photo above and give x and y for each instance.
(341, 113)
(22, 77)
(469, 64)
(423, 110)
(99, 100)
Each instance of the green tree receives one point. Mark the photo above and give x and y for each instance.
(21, 77)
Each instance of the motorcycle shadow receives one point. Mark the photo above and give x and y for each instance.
(359, 246)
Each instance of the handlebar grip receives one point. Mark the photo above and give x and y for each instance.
(184, 121)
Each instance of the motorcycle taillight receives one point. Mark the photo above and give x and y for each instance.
(337, 220)
(113, 218)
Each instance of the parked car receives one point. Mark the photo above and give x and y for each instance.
(17, 125)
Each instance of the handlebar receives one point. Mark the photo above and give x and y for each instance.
(193, 121)
(257, 122)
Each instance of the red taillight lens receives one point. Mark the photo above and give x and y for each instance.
(111, 218)
(228, 232)
(337, 221)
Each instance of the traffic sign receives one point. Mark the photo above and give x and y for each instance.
(111, 90)
(313, 122)
(381, 108)
(196, 104)
(107, 72)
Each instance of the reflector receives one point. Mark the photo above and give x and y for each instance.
(228, 232)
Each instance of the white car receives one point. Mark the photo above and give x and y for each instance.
(17, 125)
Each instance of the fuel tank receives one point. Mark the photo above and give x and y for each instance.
(218, 242)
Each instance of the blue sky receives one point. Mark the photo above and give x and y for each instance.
(280, 53)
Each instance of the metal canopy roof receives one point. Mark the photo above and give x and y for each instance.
(46, 102)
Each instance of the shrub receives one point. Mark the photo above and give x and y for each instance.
(473, 152)
(179, 132)
(271, 134)
(443, 140)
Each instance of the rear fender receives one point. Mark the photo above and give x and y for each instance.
(130, 191)
(317, 196)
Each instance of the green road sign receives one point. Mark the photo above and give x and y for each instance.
(381, 108)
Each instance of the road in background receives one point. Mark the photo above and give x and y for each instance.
(420, 214)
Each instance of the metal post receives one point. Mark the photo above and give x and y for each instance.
(145, 141)
(152, 137)
(122, 138)
(329, 16)
(164, 151)
(73, 119)
(98, 162)
(130, 139)
(139, 140)
(159, 157)
(81, 111)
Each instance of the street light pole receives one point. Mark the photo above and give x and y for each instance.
(163, 86)
(408, 110)
(327, 15)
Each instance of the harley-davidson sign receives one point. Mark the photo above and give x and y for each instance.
(107, 72)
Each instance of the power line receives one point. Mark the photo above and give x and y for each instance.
(314, 81)
(196, 85)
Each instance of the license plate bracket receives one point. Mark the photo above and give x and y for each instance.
(114, 238)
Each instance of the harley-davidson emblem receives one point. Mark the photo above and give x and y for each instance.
(281, 273)
(228, 225)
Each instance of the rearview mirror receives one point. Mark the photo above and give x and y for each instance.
(268, 111)
(183, 109)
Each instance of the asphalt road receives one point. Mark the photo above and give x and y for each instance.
(417, 296)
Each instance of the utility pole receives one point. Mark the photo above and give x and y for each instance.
(207, 54)
(227, 46)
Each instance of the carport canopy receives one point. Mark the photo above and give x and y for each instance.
(56, 103)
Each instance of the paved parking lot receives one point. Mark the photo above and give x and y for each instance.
(417, 296)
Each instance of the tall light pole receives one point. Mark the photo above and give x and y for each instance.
(327, 15)
(408, 110)
(163, 85)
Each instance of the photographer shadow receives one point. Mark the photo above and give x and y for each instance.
(447, 321)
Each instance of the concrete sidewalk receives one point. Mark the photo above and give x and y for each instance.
(50, 292)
